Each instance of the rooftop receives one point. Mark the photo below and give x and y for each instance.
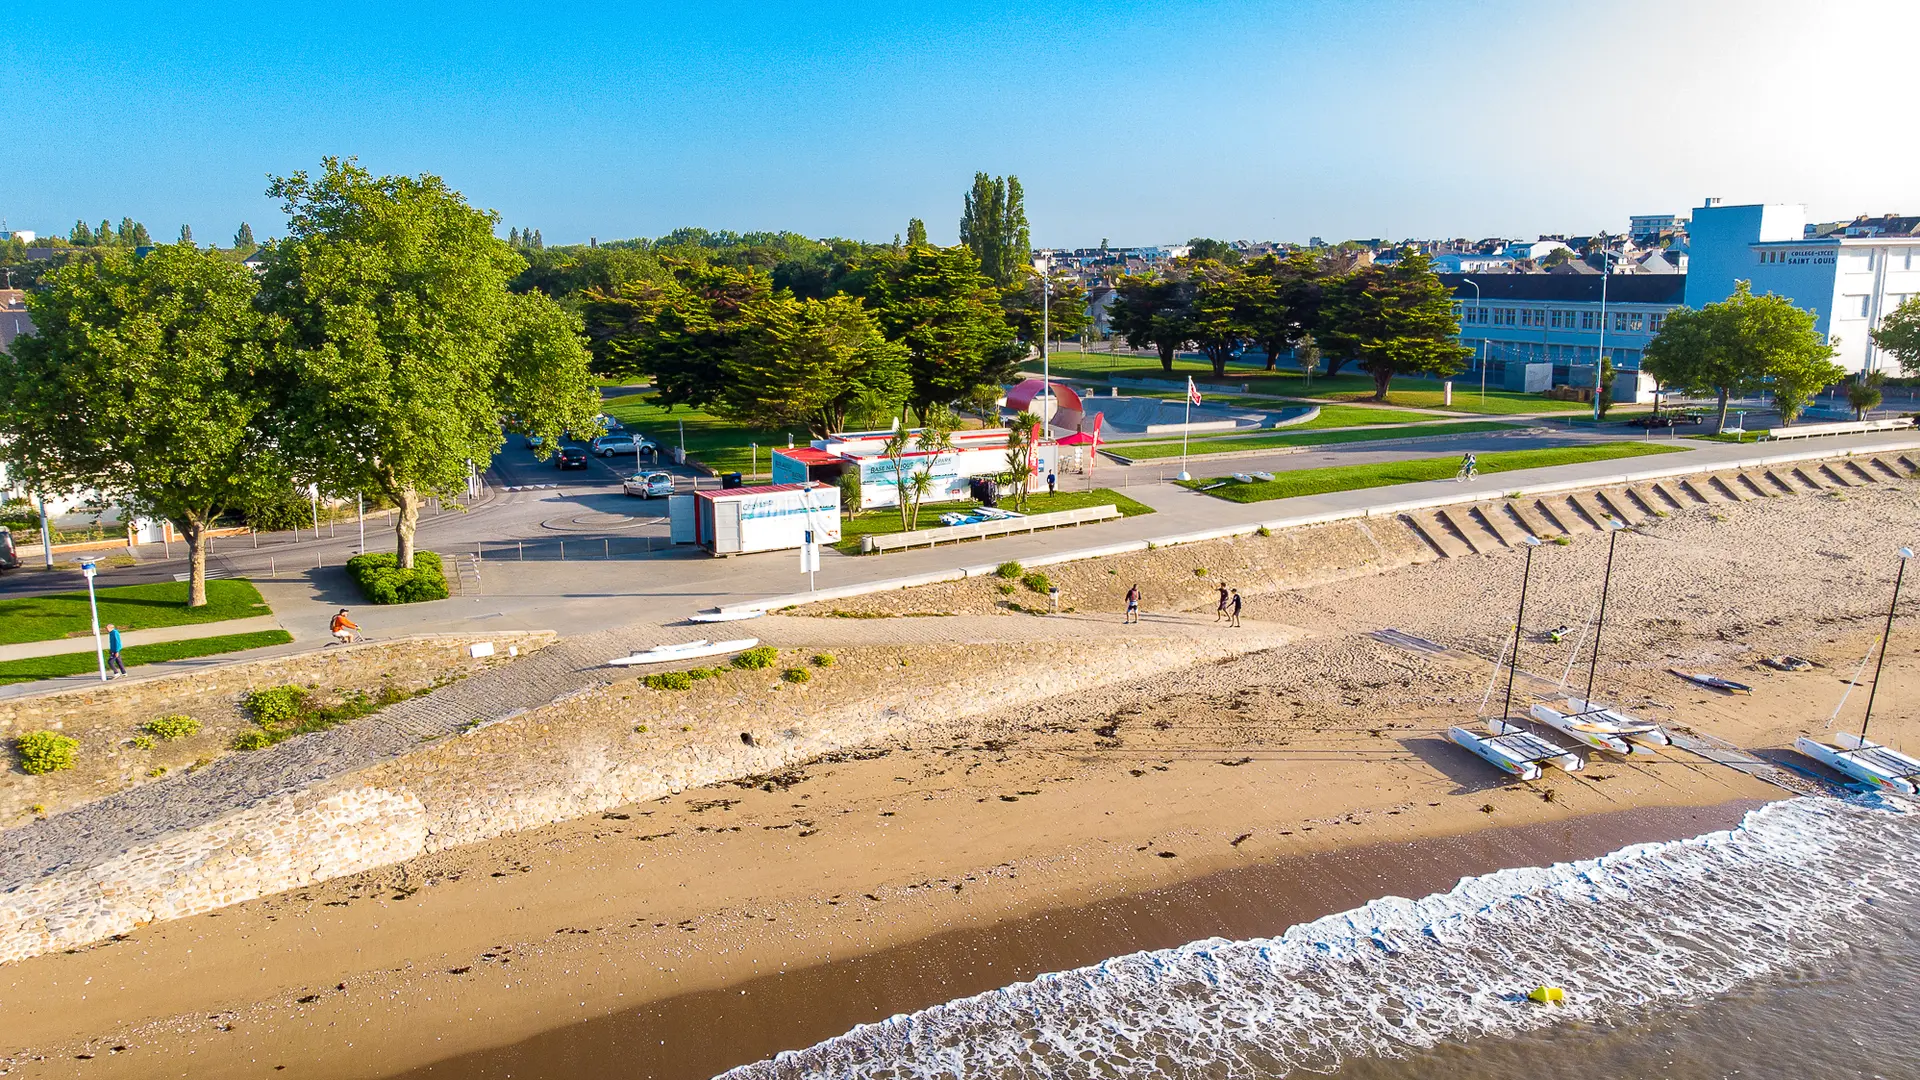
(1574, 288)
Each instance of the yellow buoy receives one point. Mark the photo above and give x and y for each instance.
(1547, 995)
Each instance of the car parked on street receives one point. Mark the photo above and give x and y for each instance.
(9, 557)
(609, 445)
(570, 457)
(650, 485)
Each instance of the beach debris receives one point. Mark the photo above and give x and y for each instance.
(1789, 663)
(1547, 995)
(1241, 839)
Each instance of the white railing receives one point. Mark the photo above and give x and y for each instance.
(1849, 427)
(980, 530)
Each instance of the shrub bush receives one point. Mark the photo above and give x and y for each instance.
(144, 742)
(1008, 570)
(824, 659)
(177, 726)
(757, 658)
(796, 675)
(253, 739)
(669, 680)
(384, 582)
(46, 751)
(276, 705)
(1037, 581)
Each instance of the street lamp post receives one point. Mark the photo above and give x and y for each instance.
(46, 534)
(1513, 662)
(93, 605)
(1600, 359)
(1482, 340)
(1886, 640)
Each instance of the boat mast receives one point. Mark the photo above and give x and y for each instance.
(1614, 525)
(1519, 619)
(1886, 640)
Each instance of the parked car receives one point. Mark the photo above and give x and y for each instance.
(9, 557)
(609, 425)
(535, 442)
(570, 457)
(609, 445)
(653, 485)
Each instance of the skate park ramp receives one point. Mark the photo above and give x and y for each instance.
(1138, 416)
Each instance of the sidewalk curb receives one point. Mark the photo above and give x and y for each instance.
(961, 573)
(1307, 448)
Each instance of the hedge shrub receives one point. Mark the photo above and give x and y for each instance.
(1008, 570)
(45, 751)
(276, 705)
(383, 582)
(669, 680)
(1037, 581)
(177, 726)
(796, 675)
(757, 658)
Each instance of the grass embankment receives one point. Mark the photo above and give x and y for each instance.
(130, 607)
(1407, 392)
(721, 445)
(1225, 444)
(886, 520)
(1354, 477)
(80, 663)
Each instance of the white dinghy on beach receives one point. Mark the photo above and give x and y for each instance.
(1513, 749)
(1857, 756)
(685, 650)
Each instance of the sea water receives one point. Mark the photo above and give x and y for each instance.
(1788, 946)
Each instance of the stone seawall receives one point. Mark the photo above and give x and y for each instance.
(570, 759)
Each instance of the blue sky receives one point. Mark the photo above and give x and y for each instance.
(1138, 122)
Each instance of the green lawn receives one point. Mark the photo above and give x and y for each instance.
(1223, 444)
(1353, 477)
(887, 520)
(51, 667)
(1289, 382)
(131, 607)
(719, 444)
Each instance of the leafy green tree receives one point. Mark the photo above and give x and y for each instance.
(1396, 320)
(925, 446)
(1899, 334)
(916, 233)
(81, 235)
(1154, 309)
(937, 303)
(132, 234)
(1736, 345)
(1065, 300)
(1201, 249)
(993, 223)
(1283, 300)
(811, 362)
(545, 383)
(1864, 393)
(680, 331)
(186, 235)
(396, 354)
(104, 235)
(243, 239)
(144, 380)
(1020, 456)
(1222, 299)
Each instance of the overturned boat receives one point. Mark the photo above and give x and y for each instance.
(685, 650)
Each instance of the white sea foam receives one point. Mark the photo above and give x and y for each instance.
(1646, 924)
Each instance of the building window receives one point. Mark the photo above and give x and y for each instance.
(1553, 319)
(1853, 307)
(1506, 316)
(1619, 322)
(1588, 320)
(1654, 321)
(1635, 322)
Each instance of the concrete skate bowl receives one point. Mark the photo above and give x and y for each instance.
(1142, 416)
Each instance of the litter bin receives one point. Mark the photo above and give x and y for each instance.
(731, 480)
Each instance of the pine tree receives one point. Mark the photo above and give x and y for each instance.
(186, 235)
(916, 233)
(994, 224)
(81, 235)
(539, 242)
(104, 234)
(141, 238)
(513, 237)
(243, 239)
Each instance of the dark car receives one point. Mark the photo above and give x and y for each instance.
(570, 457)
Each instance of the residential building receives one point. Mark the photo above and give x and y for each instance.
(1534, 250)
(1469, 262)
(1851, 276)
(1558, 318)
(1647, 229)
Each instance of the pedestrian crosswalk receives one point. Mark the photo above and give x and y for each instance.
(212, 572)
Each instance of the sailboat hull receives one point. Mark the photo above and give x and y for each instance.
(1881, 769)
(1491, 752)
(1567, 762)
(1628, 727)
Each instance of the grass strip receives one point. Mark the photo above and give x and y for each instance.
(1384, 474)
(886, 520)
(721, 445)
(1224, 444)
(53, 667)
(130, 607)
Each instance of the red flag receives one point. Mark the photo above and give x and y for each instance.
(1093, 451)
(1193, 392)
(1033, 451)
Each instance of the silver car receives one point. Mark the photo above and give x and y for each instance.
(609, 445)
(653, 485)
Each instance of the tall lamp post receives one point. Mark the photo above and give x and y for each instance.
(1482, 340)
(1886, 640)
(1044, 267)
(1600, 359)
(93, 605)
(1519, 619)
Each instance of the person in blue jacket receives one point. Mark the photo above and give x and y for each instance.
(114, 664)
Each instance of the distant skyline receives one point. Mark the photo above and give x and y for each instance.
(1141, 123)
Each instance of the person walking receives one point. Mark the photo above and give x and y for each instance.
(114, 663)
(1050, 481)
(1133, 605)
(343, 629)
(1220, 609)
(1233, 618)
(1053, 598)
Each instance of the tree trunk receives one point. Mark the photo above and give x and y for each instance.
(1334, 364)
(404, 525)
(1721, 424)
(1218, 358)
(194, 532)
(1166, 357)
(1381, 380)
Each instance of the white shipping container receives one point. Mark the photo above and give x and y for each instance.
(775, 518)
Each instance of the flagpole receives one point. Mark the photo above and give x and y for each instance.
(1183, 431)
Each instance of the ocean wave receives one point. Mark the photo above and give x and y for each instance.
(1648, 924)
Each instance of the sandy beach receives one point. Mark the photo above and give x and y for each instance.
(1230, 798)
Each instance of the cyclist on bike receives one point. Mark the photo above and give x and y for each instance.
(1469, 466)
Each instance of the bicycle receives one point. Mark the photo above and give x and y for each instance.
(1468, 471)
